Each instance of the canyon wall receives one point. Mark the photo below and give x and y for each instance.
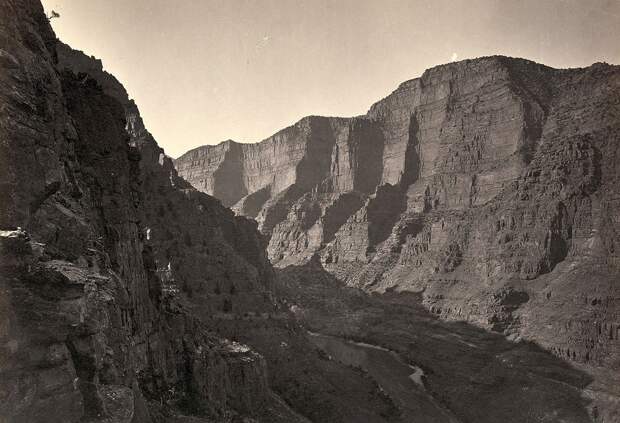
(489, 185)
(98, 271)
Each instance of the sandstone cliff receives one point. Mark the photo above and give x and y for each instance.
(489, 185)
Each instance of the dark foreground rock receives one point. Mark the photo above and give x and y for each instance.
(93, 252)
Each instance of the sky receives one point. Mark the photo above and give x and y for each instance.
(203, 71)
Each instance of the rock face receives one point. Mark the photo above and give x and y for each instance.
(103, 252)
(490, 185)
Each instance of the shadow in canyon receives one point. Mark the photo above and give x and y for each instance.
(473, 374)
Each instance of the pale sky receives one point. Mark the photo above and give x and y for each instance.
(202, 71)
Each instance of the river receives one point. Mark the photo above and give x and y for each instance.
(402, 382)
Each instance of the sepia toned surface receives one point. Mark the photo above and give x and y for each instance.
(450, 256)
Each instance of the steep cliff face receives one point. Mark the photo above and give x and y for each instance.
(98, 269)
(182, 227)
(490, 185)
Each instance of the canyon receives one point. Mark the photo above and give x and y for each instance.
(489, 186)
(452, 256)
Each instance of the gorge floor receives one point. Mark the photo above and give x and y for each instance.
(473, 374)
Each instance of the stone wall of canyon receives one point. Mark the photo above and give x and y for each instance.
(489, 185)
(98, 272)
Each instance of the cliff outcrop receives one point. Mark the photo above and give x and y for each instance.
(98, 268)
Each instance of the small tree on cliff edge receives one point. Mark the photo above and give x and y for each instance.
(53, 15)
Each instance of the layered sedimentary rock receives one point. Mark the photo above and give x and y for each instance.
(490, 185)
(98, 269)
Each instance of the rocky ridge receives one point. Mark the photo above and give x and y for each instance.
(98, 271)
(488, 185)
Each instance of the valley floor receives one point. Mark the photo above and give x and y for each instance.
(467, 374)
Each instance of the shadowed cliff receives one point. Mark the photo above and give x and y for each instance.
(124, 289)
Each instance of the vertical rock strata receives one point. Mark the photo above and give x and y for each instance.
(490, 185)
(103, 249)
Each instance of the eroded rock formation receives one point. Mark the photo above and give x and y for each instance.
(490, 185)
